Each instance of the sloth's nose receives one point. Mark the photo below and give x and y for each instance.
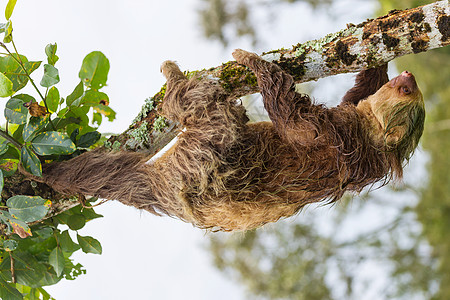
(406, 74)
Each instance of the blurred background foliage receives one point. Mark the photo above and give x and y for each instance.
(227, 20)
(393, 243)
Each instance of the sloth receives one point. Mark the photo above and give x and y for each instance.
(225, 173)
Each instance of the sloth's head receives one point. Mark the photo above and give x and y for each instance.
(399, 110)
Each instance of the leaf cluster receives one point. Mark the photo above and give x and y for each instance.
(44, 127)
(43, 258)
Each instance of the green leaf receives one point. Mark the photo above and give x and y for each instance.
(74, 134)
(4, 220)
(19, 77)
(30, 161)
(28, 208)
(56, 260)
(61, 123)
(29, 271)
(8, 166)
(76, 222)
(3, 27)
(6, 149)
(18, 133)
(8, 65)
(90, 214)
(7, 292)
(66, 243)
(51, 76)
(97, 118)
(50, 51)
(88, 139)
(49, 277)
(45, 295)
(30, 66)
(9, 8)
(19, 227)
(14, 71)
(89, 244)
(94, 98)
(72, 271)
(74, 99)
(52, 142)
(52, 99)
(28, 292)
(6, 86)
(3, 147)
(94, 70)
(8, 30)
(15, 112)
(10, 245)
(106, 111)
(81, 113)
(35, 124)
(44, 233)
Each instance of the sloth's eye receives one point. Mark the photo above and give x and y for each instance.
(406, 90)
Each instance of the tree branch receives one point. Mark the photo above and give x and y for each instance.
(355, 48)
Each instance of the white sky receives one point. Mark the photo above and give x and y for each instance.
(147, 257)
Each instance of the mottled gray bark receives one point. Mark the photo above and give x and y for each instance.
(357, 47)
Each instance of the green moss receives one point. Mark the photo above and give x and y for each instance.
(234, 76)
(159, 123)
(192, 74)
(317, 45)
(163, 90)
(112, 146)
(250, 79)
(274, 51)
(149, 105)
(108, 145)
(116, 146)
(140, 134)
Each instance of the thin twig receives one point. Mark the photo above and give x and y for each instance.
(10, 139)
(19, 61)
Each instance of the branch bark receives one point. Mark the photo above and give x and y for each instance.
(371, 43)
(357, 47)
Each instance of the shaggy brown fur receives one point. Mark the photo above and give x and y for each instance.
(226, 174)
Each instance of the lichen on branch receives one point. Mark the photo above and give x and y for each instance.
(371, 43)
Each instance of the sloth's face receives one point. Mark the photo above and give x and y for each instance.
(404, 84)
(399, 109)
(402, 89)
